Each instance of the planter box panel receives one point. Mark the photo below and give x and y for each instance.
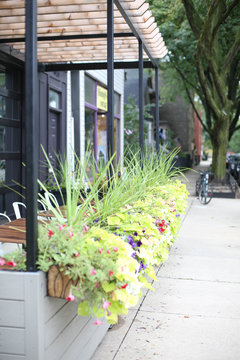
(52, 306)
(12, 341)
(89, 339)
(60, 322)
(12, 285)
(62, 345)
(34, 326)
(12, 357)
(12, 313)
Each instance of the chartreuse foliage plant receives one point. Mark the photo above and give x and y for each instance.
(113, 243)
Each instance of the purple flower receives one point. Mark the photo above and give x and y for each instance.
(131, 242)
(143, 230)
(139, 243)
(134, 256)
(142, 266)
(129, 213)
(177, 215)
(135, 233)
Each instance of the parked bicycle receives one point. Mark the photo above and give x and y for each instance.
(204, 190)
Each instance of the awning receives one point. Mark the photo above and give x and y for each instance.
(76, 30)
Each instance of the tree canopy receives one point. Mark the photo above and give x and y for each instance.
(203, 39)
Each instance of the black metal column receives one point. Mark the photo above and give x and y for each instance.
(31, 131)
(141, 97)
(110, 79)
(157, 109)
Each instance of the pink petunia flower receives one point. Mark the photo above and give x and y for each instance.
(124, 286)
(11, 263)
(98, 322)
(115, 249)
(2, 261)
(100, 251)
(50, 233)
(61, 227)
(110, 273)
(70, 297)
(93, 272)
(108, 251)
(85, 228)
(106, 304)
(70, 234)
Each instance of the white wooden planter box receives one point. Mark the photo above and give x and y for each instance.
(34, 326)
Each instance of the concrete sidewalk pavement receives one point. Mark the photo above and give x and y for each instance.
(194, 314)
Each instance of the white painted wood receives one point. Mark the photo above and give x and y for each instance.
(12, 341)
(11, 285)
(38, 327)
(52, 306)
(58, 322)
(35, 287)
(70, 124)
(88, 343)
(66, 337)
(12, 357)
(12, 313)
(82, 114)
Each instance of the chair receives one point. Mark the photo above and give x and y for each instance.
(16, 209)
(5, 216)
(51, 199)
(2, 252)
(42, 205)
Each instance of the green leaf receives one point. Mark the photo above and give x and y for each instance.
(84, 308)
(108, 287)
(113, 220)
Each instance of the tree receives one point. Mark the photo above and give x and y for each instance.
(203, 38)
(131, 123)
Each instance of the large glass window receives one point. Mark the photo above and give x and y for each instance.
(102, 138)
(10, 136)
(90, 90)
(89, 129)
(96, 120)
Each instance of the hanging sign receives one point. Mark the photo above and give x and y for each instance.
(101, 98)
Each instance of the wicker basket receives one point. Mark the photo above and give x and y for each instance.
(59, 283)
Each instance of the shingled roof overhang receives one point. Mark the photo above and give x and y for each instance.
(76, 30)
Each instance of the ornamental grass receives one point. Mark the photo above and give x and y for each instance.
(113, 243)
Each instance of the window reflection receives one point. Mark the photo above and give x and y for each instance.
(54, 99)
(89, 90)
(2, 106)
(2, 79)
(102, 138)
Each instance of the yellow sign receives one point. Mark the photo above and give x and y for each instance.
(101, 98)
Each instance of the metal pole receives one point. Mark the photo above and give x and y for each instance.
(141, 97)
(110, 79)
(157, 109)
(31, 121)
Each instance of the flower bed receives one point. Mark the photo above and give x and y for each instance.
(109, 247)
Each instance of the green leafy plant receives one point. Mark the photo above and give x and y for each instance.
(111, 244)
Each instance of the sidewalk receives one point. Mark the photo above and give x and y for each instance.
(194, 314)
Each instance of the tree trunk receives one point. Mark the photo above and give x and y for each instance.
(220, 144)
